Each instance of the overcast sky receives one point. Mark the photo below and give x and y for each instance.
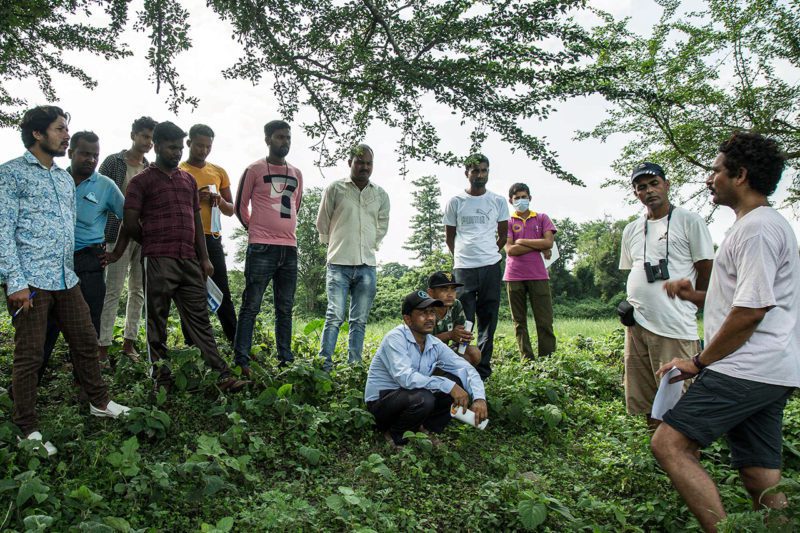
(237, 111)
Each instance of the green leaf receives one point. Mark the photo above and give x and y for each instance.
(311, 455)
(285, 390)
(209, 446)
(551, 415)
(531, 513)
(85, 495)
(117, 524)
(32, 487)
(37, 522)
(314, 325)
(225, 524)
(334, 501)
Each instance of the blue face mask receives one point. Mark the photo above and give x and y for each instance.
(521, 204)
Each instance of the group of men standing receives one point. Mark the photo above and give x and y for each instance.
(70, 238)
(158, 226)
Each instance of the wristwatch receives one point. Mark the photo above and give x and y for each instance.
(696, 361)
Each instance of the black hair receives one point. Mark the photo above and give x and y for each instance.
(761, 156)
(517, 187)
(39, 119)
(167, 131)
(474, 160)
(358, 150)
(88, 136)
(200, 129)
(274, 125)
(143, 123)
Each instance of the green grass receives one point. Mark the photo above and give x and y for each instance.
(297, 452)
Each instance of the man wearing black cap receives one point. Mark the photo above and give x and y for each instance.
(451, 319)
(669, 242)
(402, 392)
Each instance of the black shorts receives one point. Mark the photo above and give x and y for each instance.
(749, 412)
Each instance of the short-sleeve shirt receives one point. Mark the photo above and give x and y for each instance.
(758, 266)
(210, 174)
(475, 219)
(455, 316)
(96, 197)
(167, 204)
(267, 202)
(530, 266)
(689, 242)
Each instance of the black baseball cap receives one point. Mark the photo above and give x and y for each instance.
(419, 300)
(647, 169)
(442, 279)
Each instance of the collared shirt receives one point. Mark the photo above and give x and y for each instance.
(37, 225)
(353, 222)
(167, 204)
(398, 364)
(530, 266)
(96, 197)
(115, 167)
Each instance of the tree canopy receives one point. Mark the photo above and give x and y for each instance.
(493, 64)
(498, 66)
(697, 76)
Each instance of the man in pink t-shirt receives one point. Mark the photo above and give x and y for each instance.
(273, 190)
(530, 235)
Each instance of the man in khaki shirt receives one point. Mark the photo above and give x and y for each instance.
(353, 219)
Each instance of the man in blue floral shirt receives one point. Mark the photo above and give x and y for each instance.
(37, 227)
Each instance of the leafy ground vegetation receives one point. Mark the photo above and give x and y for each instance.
(297, 453)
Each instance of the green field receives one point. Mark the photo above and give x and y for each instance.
(297, 452)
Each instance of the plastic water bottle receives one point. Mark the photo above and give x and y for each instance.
(467, 416)
(462, 347)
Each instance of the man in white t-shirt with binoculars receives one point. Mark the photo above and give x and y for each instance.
(669, 242)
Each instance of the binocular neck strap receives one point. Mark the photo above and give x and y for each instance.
(669, 217)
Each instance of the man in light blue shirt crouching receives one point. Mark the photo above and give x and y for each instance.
(415, 378)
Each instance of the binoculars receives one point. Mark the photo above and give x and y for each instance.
(659, 271)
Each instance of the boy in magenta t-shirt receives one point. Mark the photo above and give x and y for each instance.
(529, 233)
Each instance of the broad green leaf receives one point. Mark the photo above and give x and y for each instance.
(531, 513)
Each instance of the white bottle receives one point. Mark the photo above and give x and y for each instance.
(462, 347)
(467, 416)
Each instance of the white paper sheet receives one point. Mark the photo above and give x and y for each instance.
(553, 256)
(668, 394)
(214, 295)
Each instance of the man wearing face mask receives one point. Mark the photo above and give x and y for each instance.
(526, 277)
(476, 227)
(273, 189)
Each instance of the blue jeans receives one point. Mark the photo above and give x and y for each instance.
(267, 262)
(360, 283)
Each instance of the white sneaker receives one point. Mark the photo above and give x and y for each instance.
(36, 436)
(112, 410)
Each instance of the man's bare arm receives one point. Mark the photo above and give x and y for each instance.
(450, 238)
